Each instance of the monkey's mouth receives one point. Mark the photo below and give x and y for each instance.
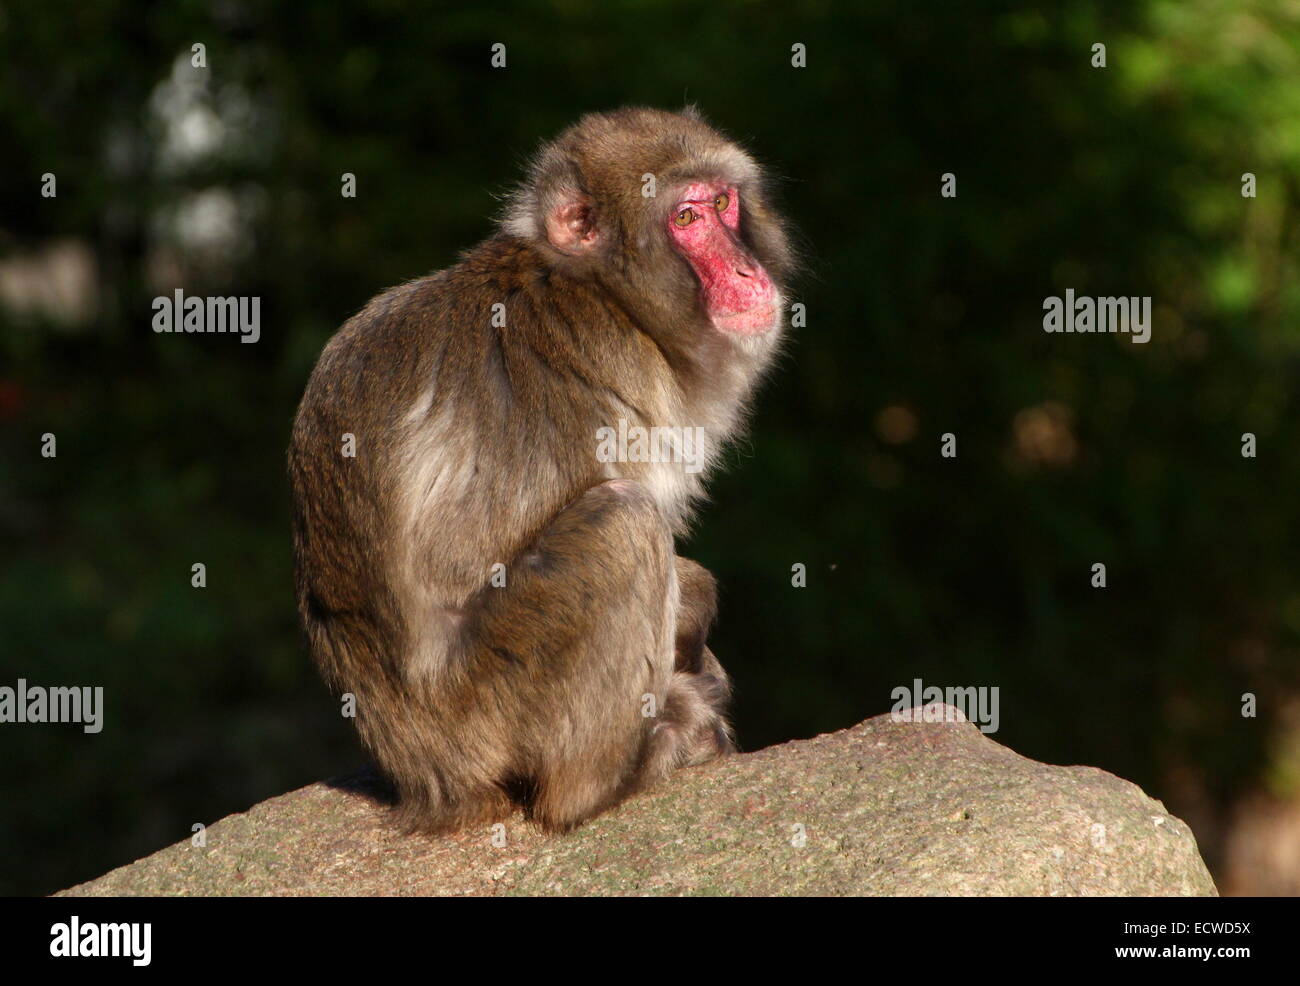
(755, 321)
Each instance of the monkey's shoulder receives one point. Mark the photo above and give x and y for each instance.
(501, 261)
(442, 302)
(392, 314)
(387, 339)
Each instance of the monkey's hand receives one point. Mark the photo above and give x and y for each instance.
(695, 613)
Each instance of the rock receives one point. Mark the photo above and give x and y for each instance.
(914, 808)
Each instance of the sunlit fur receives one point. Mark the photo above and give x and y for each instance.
(476, 445)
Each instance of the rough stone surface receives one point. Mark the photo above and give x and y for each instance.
(913, 808)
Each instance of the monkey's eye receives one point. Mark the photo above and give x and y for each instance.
(721, 202)
(684, 218)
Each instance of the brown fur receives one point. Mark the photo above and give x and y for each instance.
(475, 445)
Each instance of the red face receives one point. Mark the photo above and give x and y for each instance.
(705, 226)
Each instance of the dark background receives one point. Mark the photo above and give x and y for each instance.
(924, 316)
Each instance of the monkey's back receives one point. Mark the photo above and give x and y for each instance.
(464, 419)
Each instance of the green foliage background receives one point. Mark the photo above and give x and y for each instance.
(1122, 180)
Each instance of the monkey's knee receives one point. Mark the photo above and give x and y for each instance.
(623, 503)
(608, 547)
(612, 531)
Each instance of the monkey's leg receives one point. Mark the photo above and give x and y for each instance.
(702, 689)
(579, 647)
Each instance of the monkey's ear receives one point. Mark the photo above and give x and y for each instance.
(554, 203)
(571, 222)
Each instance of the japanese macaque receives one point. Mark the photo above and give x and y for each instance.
(499, 591)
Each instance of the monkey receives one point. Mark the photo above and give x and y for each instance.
(506, 604)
